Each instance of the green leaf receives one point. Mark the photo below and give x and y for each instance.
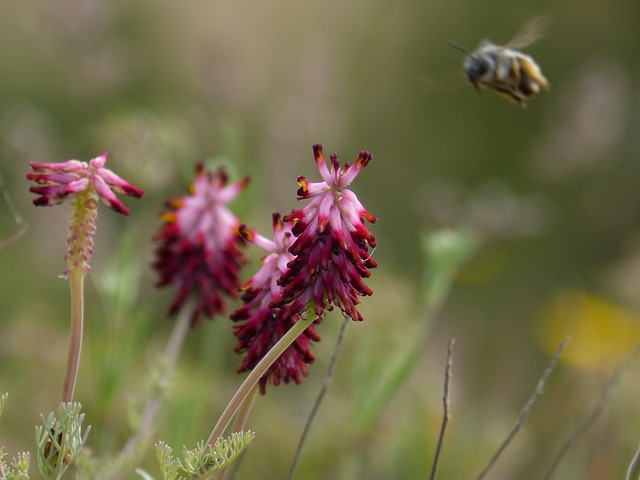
(170, 466)
(59, 440)
(204, 460)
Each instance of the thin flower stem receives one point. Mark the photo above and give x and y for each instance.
(239, 423)
(152, 404)
(446, 401)
(316, 405)
(16, 216)
(76, 286)
(400, 368)
(634, 468)
(252, 379)
(524, 413)
(592, 416)
(13, 238)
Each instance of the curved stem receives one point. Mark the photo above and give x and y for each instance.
(238, 426)
(252, 379)
(76, 286)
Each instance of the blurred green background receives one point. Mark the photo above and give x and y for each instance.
(553, 191)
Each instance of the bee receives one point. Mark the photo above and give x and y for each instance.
(509, 72)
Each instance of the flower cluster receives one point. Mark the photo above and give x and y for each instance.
(332, 245)
(323, 265)
(198, 248)
(263, 324)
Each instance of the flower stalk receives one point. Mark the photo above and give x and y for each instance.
(252, 379)
(76, 285)
(82, 228)
(87, 183)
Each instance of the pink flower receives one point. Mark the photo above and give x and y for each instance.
(59, 181)
(85, 183)
(198, 245)
(263, 325)
(332, 246)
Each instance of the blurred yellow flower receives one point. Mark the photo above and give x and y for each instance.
(603, 333)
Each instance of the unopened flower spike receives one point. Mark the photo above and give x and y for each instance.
(332, 243)
(198, 245)
(262, 325)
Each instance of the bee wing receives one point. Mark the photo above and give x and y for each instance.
(530, 32)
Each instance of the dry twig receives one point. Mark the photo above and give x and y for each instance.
(446, 401)
(524, 413)
(595, 412)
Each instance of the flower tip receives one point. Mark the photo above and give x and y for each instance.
(246, 233)
(117, 206)
(276, 219)
(133, 191)
(100, 160)
(317, 153)
(363, 158)
(43, 202)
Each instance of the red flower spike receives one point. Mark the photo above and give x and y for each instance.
(262, 326)
(332, 243)
(198, 245)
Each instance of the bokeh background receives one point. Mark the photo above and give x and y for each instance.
(552, 191)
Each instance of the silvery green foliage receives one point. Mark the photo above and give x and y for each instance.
(18, 469)
(59, 440)
(204, 460)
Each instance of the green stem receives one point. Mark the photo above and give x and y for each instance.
(76, 286)
(152, 404)
(239, 423)
(403, 363)
(252, 379)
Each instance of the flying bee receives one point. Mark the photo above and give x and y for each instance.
(509, 72)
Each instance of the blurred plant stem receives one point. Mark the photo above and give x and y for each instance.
(596, 411)
(526, 410)
(76, 285)
(634, 468)
(138, 441)
(17, 218)
(252, 379)
(316, 405)
(445, 251)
